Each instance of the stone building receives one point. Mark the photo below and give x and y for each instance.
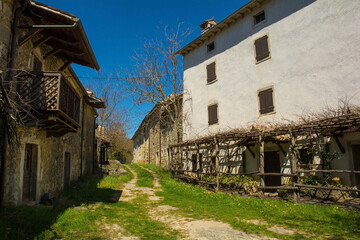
(269, 62)
(53, 143)
(152, 138)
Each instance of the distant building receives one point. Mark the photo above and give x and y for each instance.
(152, 138)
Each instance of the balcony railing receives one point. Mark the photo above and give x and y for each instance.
(50, 99)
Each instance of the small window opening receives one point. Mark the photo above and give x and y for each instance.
(210, 47)
(213, 114)
(259, 18)
(266, 101)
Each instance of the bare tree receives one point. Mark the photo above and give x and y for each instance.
(156, 75)
(108, 90)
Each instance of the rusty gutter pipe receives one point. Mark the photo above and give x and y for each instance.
(49, 26)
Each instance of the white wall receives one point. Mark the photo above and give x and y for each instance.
(315, 61)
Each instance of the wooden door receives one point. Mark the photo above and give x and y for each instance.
(356, 161)
(30, 173)
(67, 170)
(272, 165)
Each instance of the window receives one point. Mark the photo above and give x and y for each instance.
(210, 47)
(258, 18)
(266, 101)
(213, 114)
(262, 49)
(211, 74)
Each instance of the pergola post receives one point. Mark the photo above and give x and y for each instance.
(217, 164)
(262, 163)
(198, 167)
(294, 161)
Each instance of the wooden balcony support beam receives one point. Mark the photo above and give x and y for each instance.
(41, 41)
(28, 36)
(65, 66)
(51, 53)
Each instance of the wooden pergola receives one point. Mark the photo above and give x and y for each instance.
(332, 127)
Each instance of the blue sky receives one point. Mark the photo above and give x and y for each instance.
(116, 28)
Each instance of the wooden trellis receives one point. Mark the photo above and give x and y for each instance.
(224, 147)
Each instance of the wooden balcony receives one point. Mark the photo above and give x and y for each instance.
(48, 101)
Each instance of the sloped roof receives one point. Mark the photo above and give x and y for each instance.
(71, 42)
(232, 18)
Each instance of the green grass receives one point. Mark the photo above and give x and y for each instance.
(145, 179)
(198, 203)
(86, 211)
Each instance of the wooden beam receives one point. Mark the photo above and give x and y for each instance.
(28, 36)
(51, 53)
(65, 66)
(338, 143)
(217, 163)
(262, 161)
(60, 37)
(41, 41)
(75, 51)
(294, 170)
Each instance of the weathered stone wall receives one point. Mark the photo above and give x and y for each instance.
(152, 142)
(88, 145)
(6, 16)
(51, 150)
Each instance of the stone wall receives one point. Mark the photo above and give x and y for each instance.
(151, 143)
(51, 150)
(6, 16)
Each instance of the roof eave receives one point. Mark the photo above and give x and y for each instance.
(247, 8)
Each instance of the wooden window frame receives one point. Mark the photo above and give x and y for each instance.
(273, 101)
(268, 43)
(217, 114)
(207, 74)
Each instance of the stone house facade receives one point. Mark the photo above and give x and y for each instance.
(268, 62)
(152, 138)
(54, 140)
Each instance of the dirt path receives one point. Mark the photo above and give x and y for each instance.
(189, 228)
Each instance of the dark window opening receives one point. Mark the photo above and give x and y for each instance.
(305, 156)
(194, 162)
(266, 101)
(259, 18)
(262, 48)
(213, 114)
(210, 47)
(211, 73)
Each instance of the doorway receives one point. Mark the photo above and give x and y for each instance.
(272, 165)
(30, 173)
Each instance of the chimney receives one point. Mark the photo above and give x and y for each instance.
(205, 26)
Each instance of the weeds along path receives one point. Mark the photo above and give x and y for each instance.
(192, 228)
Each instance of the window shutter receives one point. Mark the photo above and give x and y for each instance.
(212, 110)
(266, 101)
(211, 74)
(262, 48)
